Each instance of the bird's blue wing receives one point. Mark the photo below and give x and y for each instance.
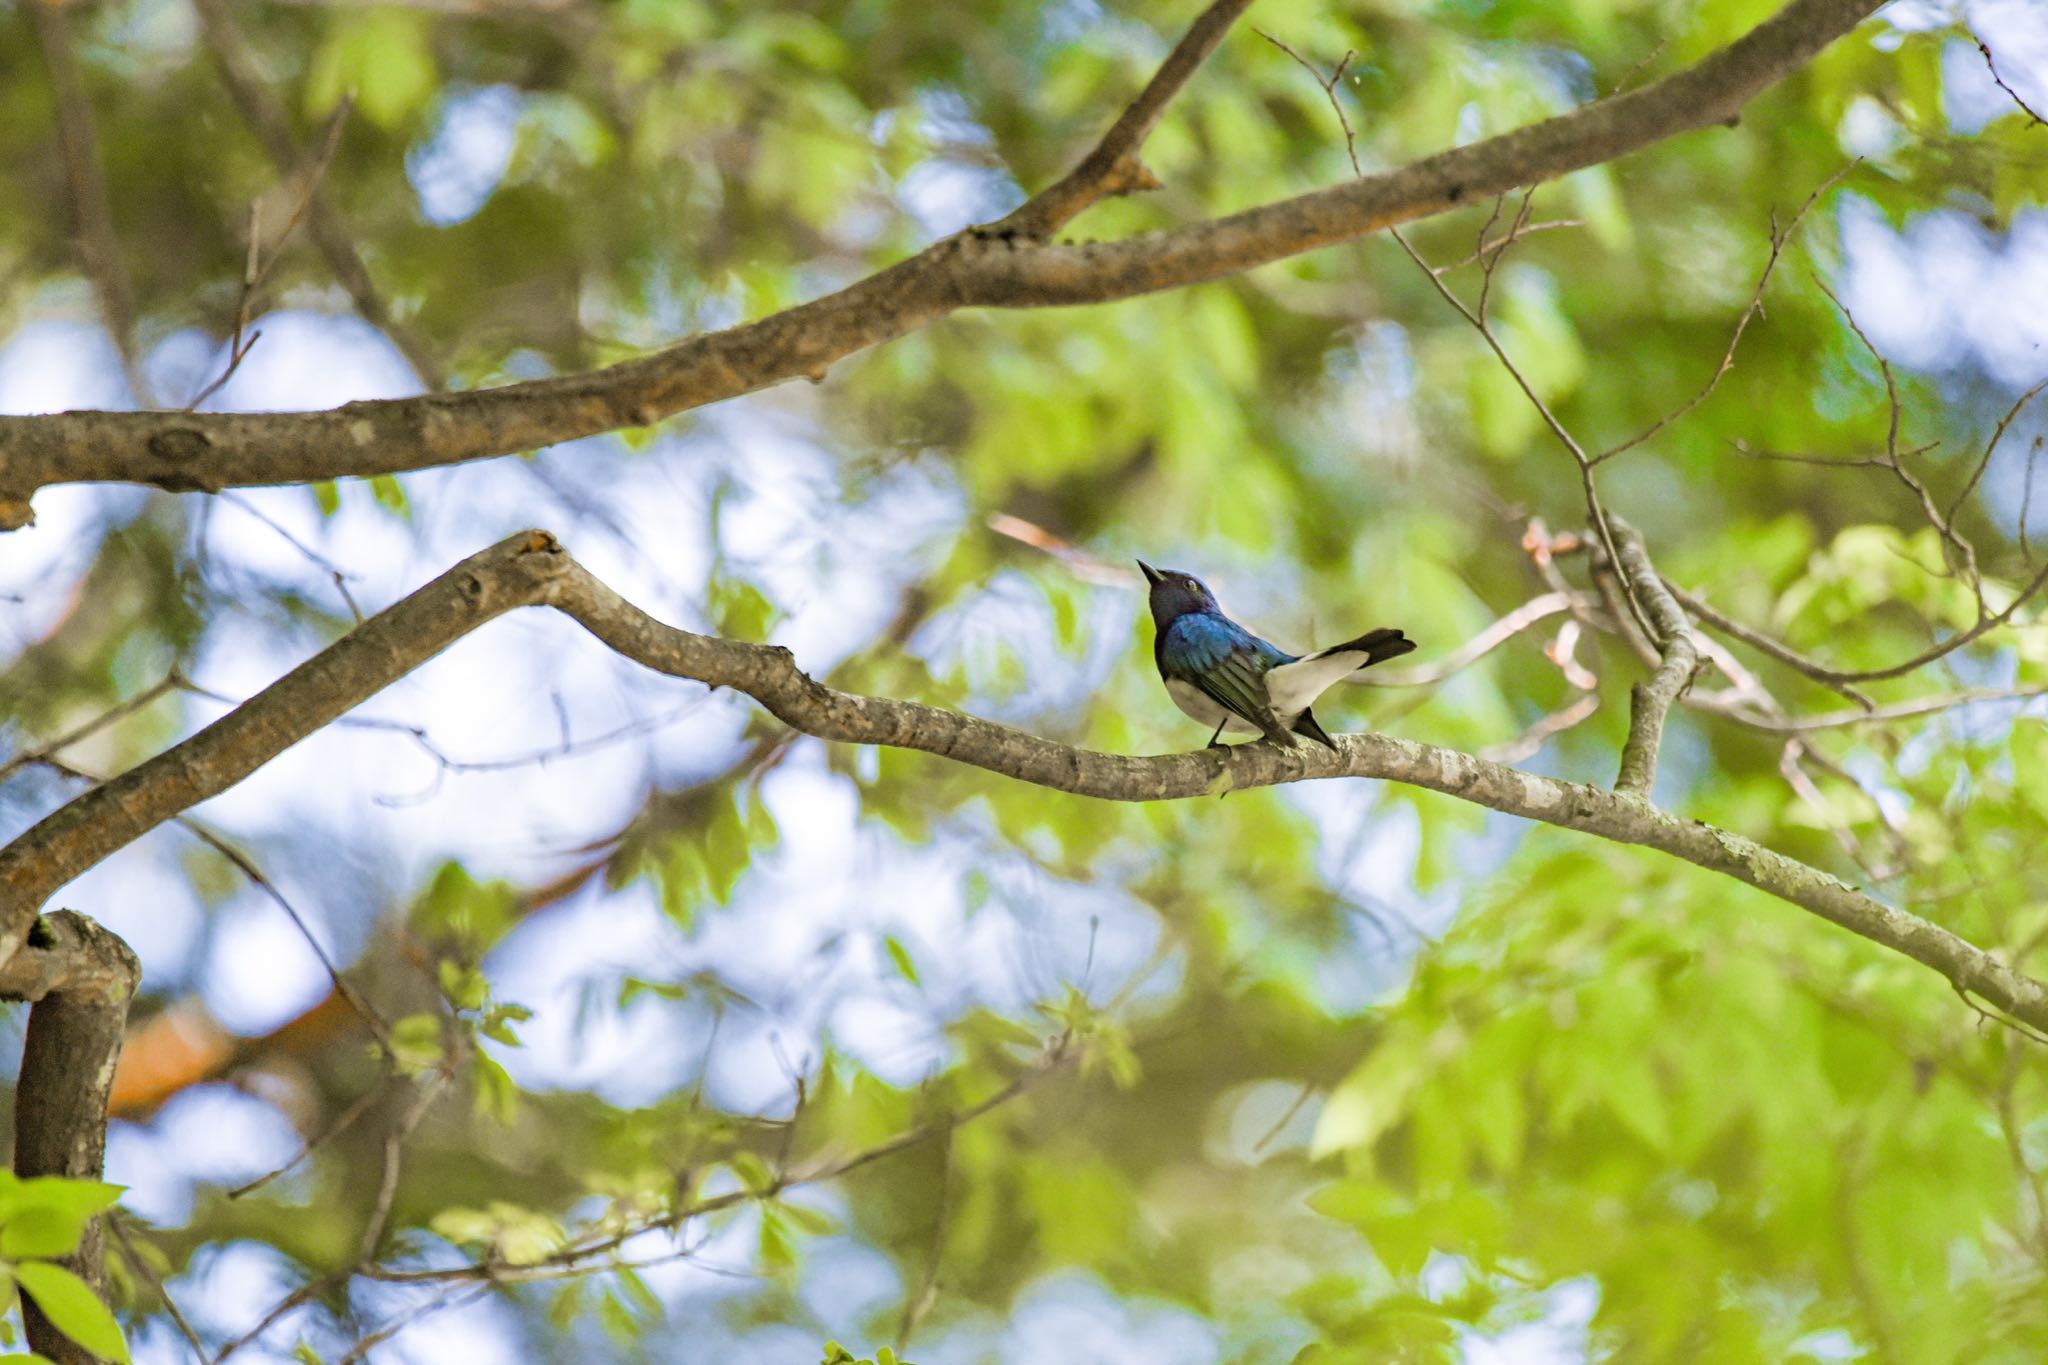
(1223, 659)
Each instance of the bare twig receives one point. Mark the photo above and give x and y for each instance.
(1958, 552)
(141, 701)
(2027, 496)
(425, 1092)
(1113, 167)
(1765, 644)
(211, 451)
(1755, 306)
(1991, 447)
(531, 569)
(1904, 710)
(268, 119)
(118, 1225)
(312, 556)
(246, 865)
(2026, 108)
(257, 267)
(1526, 745)
(1536, 609)
(1329, 84)
(1594, 508)
(1059, 1056)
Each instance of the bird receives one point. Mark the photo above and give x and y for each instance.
(1221, 674)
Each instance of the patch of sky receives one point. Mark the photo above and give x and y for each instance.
(311, 360)
(464, 160)
(1561, 1336)
(1945, 292)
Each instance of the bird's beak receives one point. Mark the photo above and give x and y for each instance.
(1152, 575)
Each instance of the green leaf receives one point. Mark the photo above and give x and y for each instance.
(73, 1308)
(752, 1171)
(42, 1231)
(383, 55)
(416, 1041)
(390, 494)
(463, 984)
(900, 955)
(496, 1094)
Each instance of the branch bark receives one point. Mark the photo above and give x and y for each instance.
(81, 978)
(975, 269)
(1113, 167)
(532, 569)
(1650, 701)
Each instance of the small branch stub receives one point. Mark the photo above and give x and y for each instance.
(80, 977)
(1650, 701)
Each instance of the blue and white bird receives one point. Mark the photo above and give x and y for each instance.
(1221, 674)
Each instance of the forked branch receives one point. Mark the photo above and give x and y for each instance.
(531, 569)
(213, 451)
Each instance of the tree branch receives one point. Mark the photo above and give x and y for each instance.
(212, 451)
(1113, 167)
(81, 978)
(532, 569)
(1650, 702)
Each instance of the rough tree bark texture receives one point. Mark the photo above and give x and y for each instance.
(531, 569)
(1008, 267)
(81, 978)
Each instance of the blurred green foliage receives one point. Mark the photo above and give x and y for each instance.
(1332, 1136)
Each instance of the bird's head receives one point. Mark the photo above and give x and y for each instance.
(1175, 594)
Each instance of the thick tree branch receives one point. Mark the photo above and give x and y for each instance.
(1650, 701)
(212, 451)
(81, 978)
(531, 569)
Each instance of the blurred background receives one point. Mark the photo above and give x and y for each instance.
(1338, 1068)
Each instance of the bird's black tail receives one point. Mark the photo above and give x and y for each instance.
(1309, 727)
(1379, 645)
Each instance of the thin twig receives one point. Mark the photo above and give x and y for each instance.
(257, 267)
(142, 700)
(268, 119)
(117, 1223)
(312, 556)
(1991, 447)
(1755, 306)
(1526, 745)
(1502, 630)
(342, 1123)
(1113, 167)
(1058, 1057)
(1329, 84)
(1776, 649)
(453, 1296)
(247, 866)
(426, 1091)
(2029, 110)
